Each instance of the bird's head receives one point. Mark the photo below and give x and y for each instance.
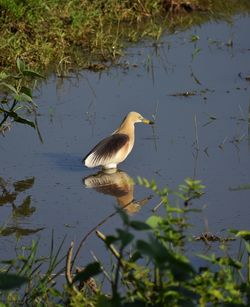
(138, 118)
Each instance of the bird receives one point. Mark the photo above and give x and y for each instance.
(114, 149)
(118, 184)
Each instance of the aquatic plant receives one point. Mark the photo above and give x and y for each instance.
(17, 97)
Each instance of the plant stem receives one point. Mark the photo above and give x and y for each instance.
(6, 115)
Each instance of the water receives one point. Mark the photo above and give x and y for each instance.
(75, 113)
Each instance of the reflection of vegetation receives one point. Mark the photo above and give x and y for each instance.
(44, 32)
(118, 184)
(9, 195)
(150, 270)
(18, 231)
(18, 97)
(240, 187)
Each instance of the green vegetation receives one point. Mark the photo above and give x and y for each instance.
(153, 269)
(92, 34)
(27, 266)
(17, 97)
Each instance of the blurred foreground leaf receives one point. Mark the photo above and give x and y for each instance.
(10, 281)
(91, 270)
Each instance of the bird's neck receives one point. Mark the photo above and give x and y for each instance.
(128, 128)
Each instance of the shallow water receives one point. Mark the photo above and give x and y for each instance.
(75, 113)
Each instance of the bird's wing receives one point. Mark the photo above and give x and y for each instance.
(114, 184)
(106, 150)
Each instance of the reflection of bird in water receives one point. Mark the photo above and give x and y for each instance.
(118, 184)
(115, 148)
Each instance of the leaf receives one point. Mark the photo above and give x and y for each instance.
(24, 209)
(32, 73)
(164, 258)
(3, 75)
(125, 237)
(247, 245)
(18, 231)
(143, 181)
(234, 231)
(24, 121)
(138, 225)
(185, 292)
(196, 51)
(9, 262)
(195, 78)
(9, 86)
(235, 263)
(195, 38)
(19, 119)
(154, 250)
(20, 65)
(91, 270)
(22, 97)
(139, 179)
(7, 198)
(9, 281)
(228, 261)
(24, 185)
(216, 294)
(27, 91)
(154, 221)
(38, 130)
(54, 292)
(124, 216)
(110, 240)
(135, 256)
(207, 258)
(175, 209)
(245, 234)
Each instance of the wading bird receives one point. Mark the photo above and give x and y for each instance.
(115, 148)
(118, 184)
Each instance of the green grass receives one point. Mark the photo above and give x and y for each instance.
(75, 34)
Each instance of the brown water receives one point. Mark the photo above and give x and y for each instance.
(44, 186)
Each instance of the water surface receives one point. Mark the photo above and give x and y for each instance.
(45, 183)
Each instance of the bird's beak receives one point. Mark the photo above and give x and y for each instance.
(147, 121)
